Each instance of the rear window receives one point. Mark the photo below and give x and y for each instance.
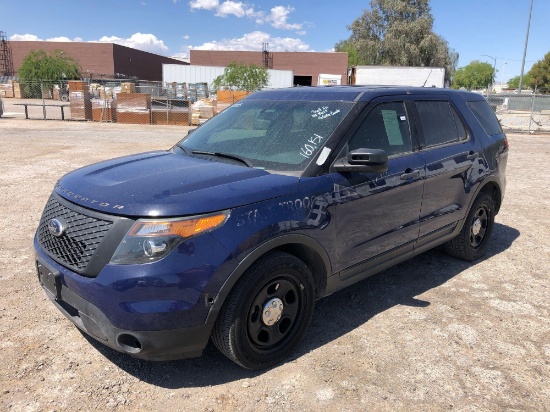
(485, 116)
(440, 123)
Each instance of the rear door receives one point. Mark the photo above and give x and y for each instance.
(452, 158)
(377, 214)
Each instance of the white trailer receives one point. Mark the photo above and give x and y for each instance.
(329, 80)
(199, 74)
(397, 76)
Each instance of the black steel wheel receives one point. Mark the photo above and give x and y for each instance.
(267, 313)
(473, 240)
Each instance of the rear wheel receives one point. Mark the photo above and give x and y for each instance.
(267, 313)
(473, 240)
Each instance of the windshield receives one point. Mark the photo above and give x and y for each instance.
(275, 135)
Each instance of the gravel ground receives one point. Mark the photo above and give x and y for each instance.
(433, 333)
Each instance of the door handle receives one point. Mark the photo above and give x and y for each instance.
(472, 155)
(410, 174)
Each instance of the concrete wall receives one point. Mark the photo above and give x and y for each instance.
(99, 58)
(301, 63)
(92, 57)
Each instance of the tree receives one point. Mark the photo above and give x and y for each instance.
(539, 75)
(476, 75)
(399, 33)
(513, 83)
(348, 47)
(38, 65)
(238, 76)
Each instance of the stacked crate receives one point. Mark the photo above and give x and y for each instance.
(171, 112)
(127, 88)
(226, 98)
(133, 108)
(17, 90)
(6, 90)
(80, 102)
(203, 110)
(103, 110)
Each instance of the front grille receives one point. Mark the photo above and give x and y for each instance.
(80, 240)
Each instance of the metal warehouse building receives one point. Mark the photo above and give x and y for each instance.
(99, 59)
(307, 66)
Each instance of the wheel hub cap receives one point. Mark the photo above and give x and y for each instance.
(476, 227)
(272, 311)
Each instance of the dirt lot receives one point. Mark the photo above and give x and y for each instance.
(433, 333)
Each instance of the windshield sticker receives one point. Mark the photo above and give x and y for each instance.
(323, 113)
(323, 156)
(312, 144)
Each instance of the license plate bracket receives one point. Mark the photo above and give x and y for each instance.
(50, 279)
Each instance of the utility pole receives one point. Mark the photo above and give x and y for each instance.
(525, 48)
(494, 69)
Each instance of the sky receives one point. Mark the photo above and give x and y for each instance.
(474, 28)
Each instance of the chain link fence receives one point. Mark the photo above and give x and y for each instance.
(187, 104)
(522, 112)
(132, 102)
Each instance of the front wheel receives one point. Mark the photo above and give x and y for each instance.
(267, 313)
(473, 240)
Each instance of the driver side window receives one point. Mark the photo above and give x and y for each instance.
(385, 127)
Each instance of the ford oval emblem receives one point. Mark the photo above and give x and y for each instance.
(56, 227)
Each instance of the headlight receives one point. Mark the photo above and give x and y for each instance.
(150, 240)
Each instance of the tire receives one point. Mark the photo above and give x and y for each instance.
(64, 97)
(252, 329)
(473, 240)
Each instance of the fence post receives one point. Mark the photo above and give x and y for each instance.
(43, 102)
(532, 108)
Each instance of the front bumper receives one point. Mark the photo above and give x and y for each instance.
(169, 344)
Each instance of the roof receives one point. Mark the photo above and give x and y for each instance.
(355, 93)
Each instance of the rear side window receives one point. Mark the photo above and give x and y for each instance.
(440, 123)
(485, 116)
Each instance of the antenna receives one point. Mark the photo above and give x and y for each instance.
(425, 81)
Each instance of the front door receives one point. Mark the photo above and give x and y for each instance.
(377, 214)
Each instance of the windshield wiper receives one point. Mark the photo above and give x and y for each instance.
(227, 156)
(185, 149)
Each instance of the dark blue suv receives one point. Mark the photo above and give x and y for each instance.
(281, 199)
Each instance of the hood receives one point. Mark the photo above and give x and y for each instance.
(166, 184)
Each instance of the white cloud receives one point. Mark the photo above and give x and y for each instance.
(186, 37)
(59, 39)
(253, 42)
(32, 37)
(25, 37)
(141, 41)
(179, 56)
(277, 17)
(231, 7)
(204, 4)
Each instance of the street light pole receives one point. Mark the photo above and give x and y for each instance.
(525, 48)
(494, 69)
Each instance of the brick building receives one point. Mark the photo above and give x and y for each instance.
(99, 59)
(306, 65)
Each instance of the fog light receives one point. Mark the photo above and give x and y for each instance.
(153, 247)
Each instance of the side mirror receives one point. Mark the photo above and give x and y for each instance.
(363, 160)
